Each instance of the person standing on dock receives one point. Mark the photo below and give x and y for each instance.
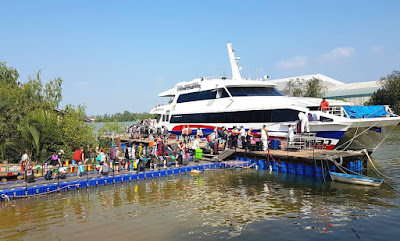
(113, 156)
(199, 132)
(234, 138)
(243, 136)
(264, 138)
(25, 163)
(79, 157)
(290, 134)
(223, 134)
(249, 138)
(196, 143)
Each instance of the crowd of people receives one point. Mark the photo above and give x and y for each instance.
(161, 151)
(145, 129)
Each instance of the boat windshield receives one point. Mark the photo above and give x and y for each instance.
(252, 91)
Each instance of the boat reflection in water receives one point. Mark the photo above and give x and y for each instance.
(216, 204)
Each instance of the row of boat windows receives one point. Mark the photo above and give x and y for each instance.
(235, 91)
(253, 116)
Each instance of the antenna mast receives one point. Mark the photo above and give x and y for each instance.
(234, 63)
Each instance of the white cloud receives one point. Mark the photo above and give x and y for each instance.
(339, 53)
(378, 50)
(295, 62)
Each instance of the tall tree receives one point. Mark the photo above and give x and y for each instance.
(30, 119)
(305, 88)
(389, 94)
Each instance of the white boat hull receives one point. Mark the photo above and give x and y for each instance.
(353, 179)
(367, 133)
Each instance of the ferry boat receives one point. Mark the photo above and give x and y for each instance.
(211, 102)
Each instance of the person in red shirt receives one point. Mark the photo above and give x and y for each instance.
(324, 105)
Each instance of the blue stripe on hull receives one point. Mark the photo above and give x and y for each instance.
(330, 134)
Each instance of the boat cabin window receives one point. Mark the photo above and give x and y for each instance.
(325, 119)
(252, 116)
(224, 94)
(202, 95)
(253, 91)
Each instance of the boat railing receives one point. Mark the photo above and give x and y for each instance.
(161, 105)
(337, 111)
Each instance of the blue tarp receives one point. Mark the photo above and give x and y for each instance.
(372, 111)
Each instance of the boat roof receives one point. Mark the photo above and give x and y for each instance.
(210, 83)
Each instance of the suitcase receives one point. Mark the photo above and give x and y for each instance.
(105, 170)
(180, 160)
(216, 147)
(30, 177)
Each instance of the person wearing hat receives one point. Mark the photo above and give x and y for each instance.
(243, 136)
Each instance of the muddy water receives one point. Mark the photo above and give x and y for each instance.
(242, 204)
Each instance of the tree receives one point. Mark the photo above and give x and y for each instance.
(124, 117)
(305, 88)
(30, 119)
(389, 94)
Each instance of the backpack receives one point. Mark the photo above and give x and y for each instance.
(48, 175)
(113, 153)
(160, 148)
(222, 134)
(77, 155)
(139, 152)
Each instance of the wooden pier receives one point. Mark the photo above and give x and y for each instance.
(317, 162)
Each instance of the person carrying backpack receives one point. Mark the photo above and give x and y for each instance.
(79, 157)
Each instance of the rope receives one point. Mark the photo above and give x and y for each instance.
(370, 160)
(4, 196)
(382, 141)
(375, 171)
(340, 166)
(354, 137)
(355, 133)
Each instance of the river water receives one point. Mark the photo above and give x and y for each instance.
(241, 204)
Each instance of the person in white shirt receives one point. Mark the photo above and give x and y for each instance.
(264, 137)
(291, 133)
(199, 132)
(25, 160)
(243, 136)
(303, 122)
(196, 143)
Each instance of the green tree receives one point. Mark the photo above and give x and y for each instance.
(124, 117)
(389, 94)
(76, 132)
(30, 118)
(305, 88)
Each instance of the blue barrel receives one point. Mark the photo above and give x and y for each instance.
(274, 144)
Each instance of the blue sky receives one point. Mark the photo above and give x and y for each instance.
(118, 55)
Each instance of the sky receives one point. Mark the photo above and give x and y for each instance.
(118, 55)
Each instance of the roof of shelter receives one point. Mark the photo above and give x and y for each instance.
(353, 89)
(326, 81)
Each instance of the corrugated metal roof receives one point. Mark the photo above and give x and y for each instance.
(353, 89)
(326, 81)
(334, 88)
